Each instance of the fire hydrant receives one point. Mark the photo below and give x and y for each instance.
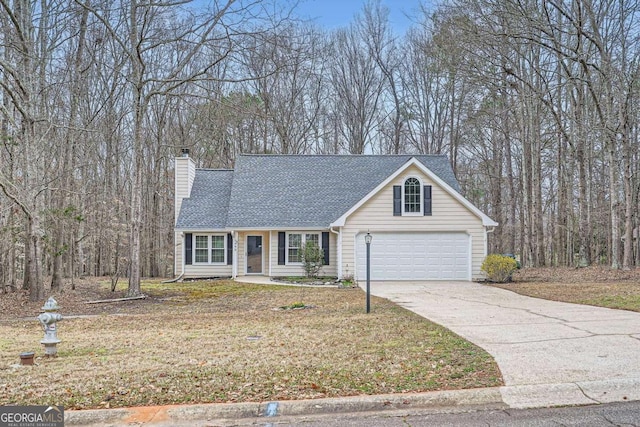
(48, 320)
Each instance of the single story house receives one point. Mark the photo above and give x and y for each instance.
(253, 219)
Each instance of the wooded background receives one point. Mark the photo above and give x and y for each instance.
(535, 103)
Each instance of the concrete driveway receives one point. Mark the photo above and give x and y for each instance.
(550, 353)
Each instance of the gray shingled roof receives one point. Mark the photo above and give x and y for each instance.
(208, 205)
(283, 191)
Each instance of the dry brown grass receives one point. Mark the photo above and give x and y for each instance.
(597, 286)
(227, 342)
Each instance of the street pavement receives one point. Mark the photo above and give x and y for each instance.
(550, 354)
(355, 412)
(605, 415)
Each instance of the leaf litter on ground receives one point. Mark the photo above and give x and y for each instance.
(222, 341)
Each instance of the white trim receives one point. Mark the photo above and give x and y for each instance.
(234, 262)
(286, 247)
(204, 230)
(176, 210)
(183, 249)
(270, 257)
(355, 255)
(486, 244)
(403, 197)
(257, 229)
(338, 251)
(209, 248)
(486, 221)
(303, 240)
(470, 277)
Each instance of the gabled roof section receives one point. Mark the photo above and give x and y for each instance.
(453, 191)
(208, 205)
(289, 191)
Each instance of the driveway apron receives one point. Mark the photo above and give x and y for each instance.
(550, 353)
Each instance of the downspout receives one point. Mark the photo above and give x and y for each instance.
(177, 279)
(486, 240)
(339, 250)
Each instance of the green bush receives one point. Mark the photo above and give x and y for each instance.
(499, 268)
(312, 259)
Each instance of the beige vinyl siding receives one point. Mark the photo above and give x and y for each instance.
(178, 255)
(185, 170)
(185, 173)
(199, 270)
(195, 271)
(242, 242)
(330, 270)
(448, 214)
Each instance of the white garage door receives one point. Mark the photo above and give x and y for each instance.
(415, 256)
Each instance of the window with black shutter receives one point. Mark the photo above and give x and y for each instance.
(282, 241)
(188, 248)
(427, 200)
(397, 200)
(325, 246)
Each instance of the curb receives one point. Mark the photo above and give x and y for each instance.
(176, 414)
(572, 393)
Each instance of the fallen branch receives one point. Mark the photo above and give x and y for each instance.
(102, 301)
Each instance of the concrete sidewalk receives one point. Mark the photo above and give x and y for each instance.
(550, 353)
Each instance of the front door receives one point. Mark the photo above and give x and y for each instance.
(254, 254)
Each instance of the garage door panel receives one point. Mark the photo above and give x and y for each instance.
(415, 256)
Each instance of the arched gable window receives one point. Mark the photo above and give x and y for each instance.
(412, 196)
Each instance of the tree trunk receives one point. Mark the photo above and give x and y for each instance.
(615, 230)
(34, 258)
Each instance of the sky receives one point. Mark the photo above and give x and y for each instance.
(331, 14)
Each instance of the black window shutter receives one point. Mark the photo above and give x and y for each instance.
(325, 246)
(427, 200)
(397, 200)
(188, 248)
(229, 249)
(281, 250)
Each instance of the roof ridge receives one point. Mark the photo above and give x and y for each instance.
(214, 170)
(288, 190)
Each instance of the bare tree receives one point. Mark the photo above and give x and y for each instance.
(287, 70)
(147, 32)
(30, 36)
(357, 84)
(387, 55)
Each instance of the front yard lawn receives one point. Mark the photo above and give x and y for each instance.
(599, 286)
(221, 341)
